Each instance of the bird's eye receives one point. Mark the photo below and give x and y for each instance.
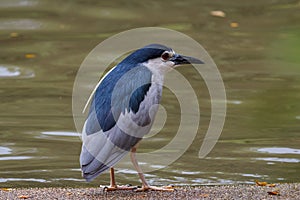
(165, 56)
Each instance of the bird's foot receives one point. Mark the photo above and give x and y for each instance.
(117, 187)
(169, 188)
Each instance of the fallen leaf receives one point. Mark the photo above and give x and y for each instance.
(234, 24)
(169, 187)
(271, 185)
(6, 189)
(217, 13)
(69, 193)
(14, 34)
(261, 183)
(30, 55)
(23, 197)
(204, 195)
(276, 192)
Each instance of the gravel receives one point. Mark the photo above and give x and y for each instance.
(280, 191)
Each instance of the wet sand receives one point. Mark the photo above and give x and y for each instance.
(280, 191)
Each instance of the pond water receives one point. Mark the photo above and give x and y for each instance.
(256, 48)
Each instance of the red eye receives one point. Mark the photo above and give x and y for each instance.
(165, 56)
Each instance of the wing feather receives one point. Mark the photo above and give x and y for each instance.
(104, 142)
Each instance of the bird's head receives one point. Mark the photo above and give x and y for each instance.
(160, 58)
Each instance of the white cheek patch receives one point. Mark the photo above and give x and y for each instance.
(158, 66)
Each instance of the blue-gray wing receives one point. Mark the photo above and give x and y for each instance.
(115, 122)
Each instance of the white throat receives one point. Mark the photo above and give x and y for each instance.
(159, 68)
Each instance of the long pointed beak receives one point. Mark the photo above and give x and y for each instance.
(181, 60)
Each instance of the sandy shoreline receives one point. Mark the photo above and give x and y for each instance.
(285, 191)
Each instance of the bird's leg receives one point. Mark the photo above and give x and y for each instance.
(113, 186)
(145, 185)
(112, 178)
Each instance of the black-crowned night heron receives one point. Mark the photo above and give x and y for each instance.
(123, 109)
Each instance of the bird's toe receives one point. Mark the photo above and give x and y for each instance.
(169, 188)
(118, 187)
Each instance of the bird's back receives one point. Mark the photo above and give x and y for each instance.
(119, 117)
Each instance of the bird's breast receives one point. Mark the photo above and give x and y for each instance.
(139, 124)
(148, 106)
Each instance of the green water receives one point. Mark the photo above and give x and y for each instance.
(43, 43)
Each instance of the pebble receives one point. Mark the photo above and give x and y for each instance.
(281, 191)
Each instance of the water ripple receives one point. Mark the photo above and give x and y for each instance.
(275, 159)
(20, 24)
(68, 179)
(4, 180)
(17, 3)
(7, 71)
(5, 150)
(279, 150)
(61, 133)
(15, 158)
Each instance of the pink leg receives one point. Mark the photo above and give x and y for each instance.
(113, 186)
(145, 185)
